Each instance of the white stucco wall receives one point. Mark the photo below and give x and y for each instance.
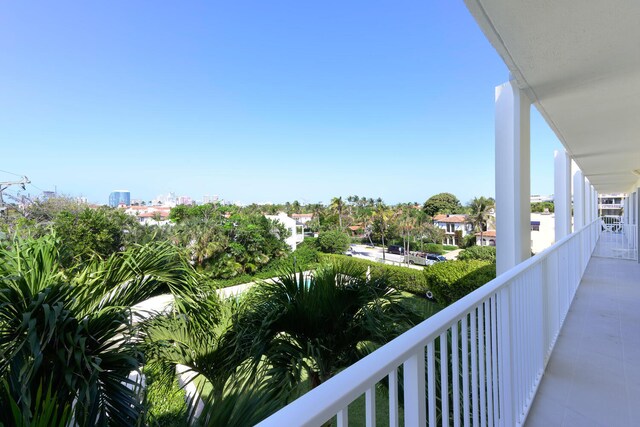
(290, 224)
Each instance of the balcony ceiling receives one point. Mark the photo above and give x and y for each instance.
(579, 62)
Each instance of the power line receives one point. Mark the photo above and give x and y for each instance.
(36, 187)
(10, 173)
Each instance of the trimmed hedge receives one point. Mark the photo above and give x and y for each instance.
(483, 253)
(449, 281)
(401, 278)
(434, 248)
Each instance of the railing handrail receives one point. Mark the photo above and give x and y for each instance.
(362, 375)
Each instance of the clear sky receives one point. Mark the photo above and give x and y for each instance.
(253, 100)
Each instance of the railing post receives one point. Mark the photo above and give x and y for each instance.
(415, 410)
(507, 393)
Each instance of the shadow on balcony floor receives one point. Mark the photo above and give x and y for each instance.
(593, 376)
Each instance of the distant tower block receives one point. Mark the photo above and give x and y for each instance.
(119, 197)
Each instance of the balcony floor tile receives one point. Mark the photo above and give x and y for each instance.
(593, 375)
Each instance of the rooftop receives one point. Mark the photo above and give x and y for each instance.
(453, 218)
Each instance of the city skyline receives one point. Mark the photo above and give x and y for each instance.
(276, 102)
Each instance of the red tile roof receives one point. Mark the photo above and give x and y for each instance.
(450, 218)
(488, 233)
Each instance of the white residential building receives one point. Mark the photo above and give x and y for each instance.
(452, 223)
(302, 218)
(611, 204)
(297, 234)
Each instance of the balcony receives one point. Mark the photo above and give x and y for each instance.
(610, 206)
(593, 376)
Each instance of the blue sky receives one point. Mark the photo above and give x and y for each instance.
(254, 101)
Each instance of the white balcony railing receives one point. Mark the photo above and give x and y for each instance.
(618, 240)
(610, 206)
(478, 361)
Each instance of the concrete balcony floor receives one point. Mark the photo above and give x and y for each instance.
(593, 375)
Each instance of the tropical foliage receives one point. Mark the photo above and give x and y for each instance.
(79, 345)
(480, 209)
(75, 332)
(314, 325)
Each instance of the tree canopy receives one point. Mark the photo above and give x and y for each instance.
(442, 203)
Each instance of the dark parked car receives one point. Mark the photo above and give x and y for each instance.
(436, 257)
(395, 249)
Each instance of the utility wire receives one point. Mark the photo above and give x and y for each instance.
(36, 187)
(10, 173)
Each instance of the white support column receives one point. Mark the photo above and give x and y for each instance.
(562, 194)
(513, 204)
(637, 221)
(578, 200)
(587, 201)
(627, 209)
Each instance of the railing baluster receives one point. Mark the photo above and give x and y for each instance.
(415, 411)
(489, 357)
(393, 398)
(465, 370)
(455, 373)
(444, 379)
(494, 358)
(474, 368)
(343, 417)
(481, 366)
(370, 406)
(507, 392)
(431, 378)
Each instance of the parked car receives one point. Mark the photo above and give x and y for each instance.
(436, 257)
(418, 258)
(395, 249)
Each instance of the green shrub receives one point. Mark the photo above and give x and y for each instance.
(483, 253)
(469, 240)
(306, 253)
(449, 247)
(434, 248)
(401, 278)
(165, 400)
(449, 281)
(333, 242)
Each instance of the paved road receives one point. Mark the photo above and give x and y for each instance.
(375, 254)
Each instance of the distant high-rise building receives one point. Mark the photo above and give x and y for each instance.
(119, 197)
(184, 200)
(210, 199)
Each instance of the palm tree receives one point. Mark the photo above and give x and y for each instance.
(383, 215)
(479, 209)
(230, 390)
(408, 225)
(337, 206)
(318, 324)
(75, 330)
